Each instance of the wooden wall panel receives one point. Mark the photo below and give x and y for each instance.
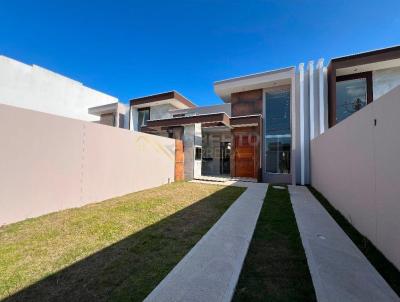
(179, 160)
(247, 102)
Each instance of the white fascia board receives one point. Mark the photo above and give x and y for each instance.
(225, 88)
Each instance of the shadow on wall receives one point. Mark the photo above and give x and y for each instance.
(131, 268)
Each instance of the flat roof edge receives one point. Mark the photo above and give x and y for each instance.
(171, 94)
(255, 75)
(366, 53)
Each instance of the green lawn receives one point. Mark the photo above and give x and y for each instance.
(275, 268)
(388, 271)
(119, 249)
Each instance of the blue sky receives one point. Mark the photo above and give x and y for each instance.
(130, 48)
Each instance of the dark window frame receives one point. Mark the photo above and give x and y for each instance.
(282, 89)
(361, 75)
(143, 109)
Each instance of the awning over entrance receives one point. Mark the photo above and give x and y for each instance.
(246, 121)
(207, 120)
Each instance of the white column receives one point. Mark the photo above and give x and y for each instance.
(311, 98)
(302, 124)
(116, 117)
(198, 142)
(130, 119)
(294, 105)
(322, 94)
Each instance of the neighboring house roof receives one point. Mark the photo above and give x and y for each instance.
(108, 108)
(171, 97)
(225, 88)
(36, 88)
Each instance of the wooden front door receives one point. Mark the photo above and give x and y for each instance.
(245, 155)
(179, 160)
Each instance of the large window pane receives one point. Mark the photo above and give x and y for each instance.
(278, 136)
(351, 96)
(278, 153)
(143, 117)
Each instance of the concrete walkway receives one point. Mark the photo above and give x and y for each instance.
(340, 272)
(210, 271)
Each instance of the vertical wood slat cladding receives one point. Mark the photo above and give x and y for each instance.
(247, 102)
(246, 152)
(179, 160)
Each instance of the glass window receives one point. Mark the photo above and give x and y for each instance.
(351, 96)
(278, 136)
(198, 153)
(121, 120)
(143, 117)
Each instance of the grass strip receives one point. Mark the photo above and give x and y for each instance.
(276, 267)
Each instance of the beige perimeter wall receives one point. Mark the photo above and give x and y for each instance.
(356, 165)
(49, 163)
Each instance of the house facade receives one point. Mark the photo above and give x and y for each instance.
(263, 129)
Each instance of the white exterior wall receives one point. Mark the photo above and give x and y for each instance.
(161, 112)
(355, 165)
(385, 80)
(156, 112)
(36, 88)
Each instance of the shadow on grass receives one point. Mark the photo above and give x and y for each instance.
(129, 269)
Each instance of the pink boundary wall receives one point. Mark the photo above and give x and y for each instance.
(50, 163)
(356, 165)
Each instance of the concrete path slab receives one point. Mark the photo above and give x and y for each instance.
(340, 272)
(210, 271)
